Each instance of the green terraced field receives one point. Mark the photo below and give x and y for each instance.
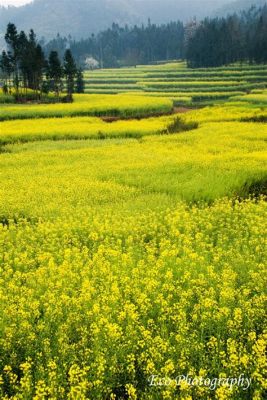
(179, 83)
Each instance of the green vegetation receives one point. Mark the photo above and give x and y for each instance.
(178, 83)
(27, 75)
(213, 42)
(94, 105)
(88, 128)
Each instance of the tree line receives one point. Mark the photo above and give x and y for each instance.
(28, 73)
(236, 38)
(127, 46)
(211, 42)
(52, 67)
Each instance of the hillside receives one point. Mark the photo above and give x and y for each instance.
(80, 18)
(238, 5)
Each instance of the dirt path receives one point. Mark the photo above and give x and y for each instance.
(182, 110)
(176, 110)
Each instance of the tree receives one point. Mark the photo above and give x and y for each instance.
(70, 71)
(118, 46)
(55, 73)
(26, 60)
(91, 63)
(12, 39)
(40, 65)
(7, 67)
(221, 41)
(260, 39)
(23, 63)
(24, 67)
(79, 81)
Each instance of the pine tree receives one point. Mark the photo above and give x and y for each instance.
(55, 73)
(79, 81)
(40, 64)
(260, 38)
(70, 71)
(12, 39)
(7, 67)
(25, 60)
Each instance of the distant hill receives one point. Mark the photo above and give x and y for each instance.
(238, 5)
(80, 18)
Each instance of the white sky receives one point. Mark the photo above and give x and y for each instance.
(21, 2)
(14, 2)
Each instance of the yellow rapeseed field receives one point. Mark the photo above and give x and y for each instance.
(90, 105)
(136, 257)
(93, 306)
(80, 128)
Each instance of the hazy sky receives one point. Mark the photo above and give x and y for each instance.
(21, 2)
(14, 2)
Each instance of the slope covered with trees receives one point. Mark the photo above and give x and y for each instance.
(119, 46)
(221, 41)
(212, 42)
(81, 18)
(237, 6)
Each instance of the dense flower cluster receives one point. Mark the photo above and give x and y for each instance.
(131, 264)
(51, 178)
(93, 308)
(90, 105)
(80, 128)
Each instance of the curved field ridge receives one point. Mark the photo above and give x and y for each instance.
(205, 164)
(176, 80)
(91, 105)
(77, 128)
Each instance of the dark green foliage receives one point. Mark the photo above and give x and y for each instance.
(210, 43)
(82, 17)
(178, 125)
(70, 71)
(79, 86)
(7, 66)
(23, 64)
(55, 73)
(13, 42)
(260, 46)
(221, 41)
(125, 46)
(24, 67)
(254, 189)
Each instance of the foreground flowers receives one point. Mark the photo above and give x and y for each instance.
(93, 309)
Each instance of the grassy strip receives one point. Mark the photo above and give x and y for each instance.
(91, 105)
(88, 128)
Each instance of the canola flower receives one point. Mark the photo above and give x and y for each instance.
(94, 128)
(80, 128)
(92, 307)
(90, 105)
(260, 97)
(215, 160)
(138, 256)
(229, 111)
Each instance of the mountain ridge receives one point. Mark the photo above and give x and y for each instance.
(83, 17)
